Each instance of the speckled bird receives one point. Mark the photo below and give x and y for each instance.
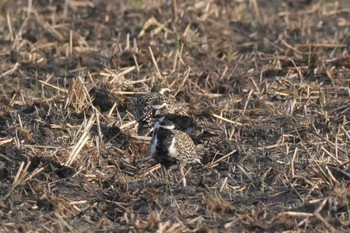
(147, 106)
(170, 146)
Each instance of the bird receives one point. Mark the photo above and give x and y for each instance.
(147, 106)
(172, 147)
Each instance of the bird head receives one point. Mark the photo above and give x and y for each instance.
(163, 123)
(162, 90)
(159, 104)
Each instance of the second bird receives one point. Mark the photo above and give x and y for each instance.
(170, 146)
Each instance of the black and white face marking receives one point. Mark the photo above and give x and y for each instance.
(157, 106)
(162, 123)
(164, 91)
(166, 124)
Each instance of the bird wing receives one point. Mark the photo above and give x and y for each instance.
(143, 108)
(186, 147)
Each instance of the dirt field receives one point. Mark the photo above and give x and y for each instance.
(270, 80)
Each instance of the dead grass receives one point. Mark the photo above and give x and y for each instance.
(270, 78)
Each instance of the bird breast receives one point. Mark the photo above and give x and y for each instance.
(172, 148)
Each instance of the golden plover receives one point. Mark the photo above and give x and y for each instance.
(170, 146)
(147, 106)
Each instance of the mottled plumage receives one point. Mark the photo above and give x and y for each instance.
(147, 106)
(170, 146)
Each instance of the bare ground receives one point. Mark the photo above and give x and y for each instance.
(270, 78)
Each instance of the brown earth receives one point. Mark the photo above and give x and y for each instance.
(269, 78)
